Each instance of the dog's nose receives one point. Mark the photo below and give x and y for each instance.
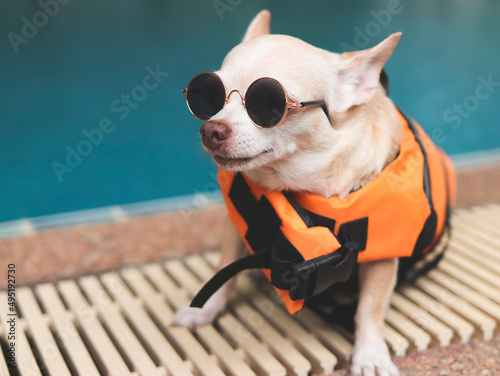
(214, 133)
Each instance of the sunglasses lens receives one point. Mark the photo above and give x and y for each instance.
(265, 101)
(206, 95)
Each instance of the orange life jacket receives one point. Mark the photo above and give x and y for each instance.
(305, 242)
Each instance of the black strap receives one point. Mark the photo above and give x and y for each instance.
(302, 280)
(282, 274)
(260, 260)
(411, 274)
(447, 222)
(407, 271)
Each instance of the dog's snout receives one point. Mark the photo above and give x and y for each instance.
(214, 133)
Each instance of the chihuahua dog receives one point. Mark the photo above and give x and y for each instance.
(328, 155)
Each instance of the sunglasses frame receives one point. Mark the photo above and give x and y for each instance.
(289, 103)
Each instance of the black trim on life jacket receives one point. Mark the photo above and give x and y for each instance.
(406, 272)
(429, 230)
(447, 222)
(354, 230)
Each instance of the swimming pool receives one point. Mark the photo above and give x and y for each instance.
(91, 110)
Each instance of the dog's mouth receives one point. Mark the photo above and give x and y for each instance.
(228, 162)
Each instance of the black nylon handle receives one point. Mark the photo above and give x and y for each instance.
(261, 260)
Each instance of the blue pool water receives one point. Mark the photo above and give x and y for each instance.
(79, 82)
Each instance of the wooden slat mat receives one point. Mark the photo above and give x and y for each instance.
(117, 323)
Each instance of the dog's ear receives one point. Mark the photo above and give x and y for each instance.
(359, 73)
(261, 25)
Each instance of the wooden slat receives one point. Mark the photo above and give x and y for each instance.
(3, 365)
(419, 338)
(467, 237)
(289, 356)
(480, 301)
(208, 335)
(485, 221)
(116, 324)
(4, 331)
(477, 284)
(199, 265)
(183, 337)
(421, 317)
(472, 265)
(66, 330)
(469, 224)
(284, 351)
(397, 343)
(479, 255)
(474, 246)
(213, 258)
(178, 271)
(463, 328)
(177, 296)
(91, 327)
(40, 332)
(258, 356)
(147, 330)
(265, 363)
(487, 214)
(482, 321)
(230, 360)
(331, 338)
(153, 300)
(25, 360)
(321, 359)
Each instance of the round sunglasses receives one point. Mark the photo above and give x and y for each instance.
(266, 100)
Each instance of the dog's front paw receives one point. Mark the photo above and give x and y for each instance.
(373, 360)
(191, 318)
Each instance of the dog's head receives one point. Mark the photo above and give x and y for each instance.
(341, 81)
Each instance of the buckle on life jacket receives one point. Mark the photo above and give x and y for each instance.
(272, 250)
(316, 275)
(307, 278)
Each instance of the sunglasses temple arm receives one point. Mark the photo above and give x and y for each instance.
(317, 103)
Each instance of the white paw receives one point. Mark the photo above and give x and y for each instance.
(372, 360)
(191, 318)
